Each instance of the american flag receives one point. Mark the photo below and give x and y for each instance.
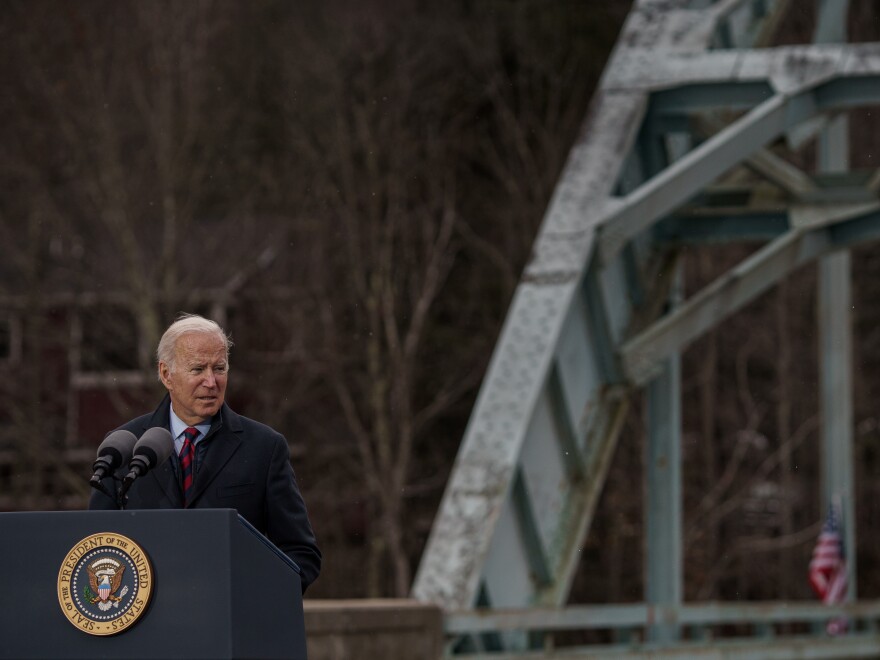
(828, 574)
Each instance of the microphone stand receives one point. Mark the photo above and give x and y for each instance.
(122, 493)
(121, 498)
(98, 484)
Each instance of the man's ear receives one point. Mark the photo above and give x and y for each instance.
(165, 375)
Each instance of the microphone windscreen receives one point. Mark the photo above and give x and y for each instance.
(156, 445)
(118, 446)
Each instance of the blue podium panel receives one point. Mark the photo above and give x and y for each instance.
(217, 589)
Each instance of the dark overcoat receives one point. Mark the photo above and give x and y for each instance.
(240, 464)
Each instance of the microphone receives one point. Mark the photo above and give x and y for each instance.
(154, 447)
(113, 453)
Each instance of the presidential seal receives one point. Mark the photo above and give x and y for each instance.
(104, 584)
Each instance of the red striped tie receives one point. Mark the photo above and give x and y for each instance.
(187, 456)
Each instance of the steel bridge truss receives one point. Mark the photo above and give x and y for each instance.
(689, 96)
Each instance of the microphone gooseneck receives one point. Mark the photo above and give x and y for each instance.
(154, 448)
(114, 452)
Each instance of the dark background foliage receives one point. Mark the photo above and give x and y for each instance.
(352, 188)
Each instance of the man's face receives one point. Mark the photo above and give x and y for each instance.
(197, 384)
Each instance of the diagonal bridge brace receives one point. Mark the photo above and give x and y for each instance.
(835, 229)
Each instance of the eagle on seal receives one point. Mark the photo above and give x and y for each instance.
(105, 585)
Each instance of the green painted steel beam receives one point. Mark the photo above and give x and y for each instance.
(788, 69)
(834, 319)
(627, 615)
(695, 98)
(541, 438)
(680, 181)
(720, 227)
(542, 571)
(800, 648)
(853, 232)
(566, 428)
(727, 214)
(834, 298)
(781, 173)
(613, 406)
(664, 574)
(849, 93)
(642, 355)
(597, 319)
(664, 570)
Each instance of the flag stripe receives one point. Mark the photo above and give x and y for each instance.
(828, 572)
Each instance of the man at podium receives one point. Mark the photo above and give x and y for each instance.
(220, 459)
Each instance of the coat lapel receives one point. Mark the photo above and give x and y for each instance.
(225, 439)
(164, 474)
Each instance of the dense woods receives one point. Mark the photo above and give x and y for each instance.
(352, 188)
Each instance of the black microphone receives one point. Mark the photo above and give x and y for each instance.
(113, 453)
(154, 447)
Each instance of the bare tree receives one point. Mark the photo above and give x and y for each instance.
(379, 170)
(117, 146)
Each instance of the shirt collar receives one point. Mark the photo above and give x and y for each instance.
(178, 426)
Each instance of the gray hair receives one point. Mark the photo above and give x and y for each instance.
(186, 324)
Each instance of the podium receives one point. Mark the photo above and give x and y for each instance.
(216, 588)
